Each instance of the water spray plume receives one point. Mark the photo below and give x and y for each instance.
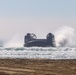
(65, 36)
(14, 42)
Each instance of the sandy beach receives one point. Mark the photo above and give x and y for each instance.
(37, 67)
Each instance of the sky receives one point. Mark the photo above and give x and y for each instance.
(18, 17)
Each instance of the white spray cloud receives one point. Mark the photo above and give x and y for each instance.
(16, 41)
(65, 36)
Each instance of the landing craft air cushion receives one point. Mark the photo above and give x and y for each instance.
(31, 40)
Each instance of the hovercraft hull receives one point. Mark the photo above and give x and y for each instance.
(39, 43)
(30, 40)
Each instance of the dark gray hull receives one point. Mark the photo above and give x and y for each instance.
(29, 41)
(39, 43)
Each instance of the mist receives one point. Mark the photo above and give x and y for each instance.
(65, 37)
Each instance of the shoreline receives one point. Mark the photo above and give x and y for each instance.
(17, 66)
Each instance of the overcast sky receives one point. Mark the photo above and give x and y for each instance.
(37, 16)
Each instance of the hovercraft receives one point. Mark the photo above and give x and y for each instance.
(31, 40)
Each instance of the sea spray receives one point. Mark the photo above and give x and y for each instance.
(16, 41)
(65, 36)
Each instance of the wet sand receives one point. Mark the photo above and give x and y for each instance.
(37, 67)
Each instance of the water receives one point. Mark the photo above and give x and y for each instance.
(65, 47)
(39, 52)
